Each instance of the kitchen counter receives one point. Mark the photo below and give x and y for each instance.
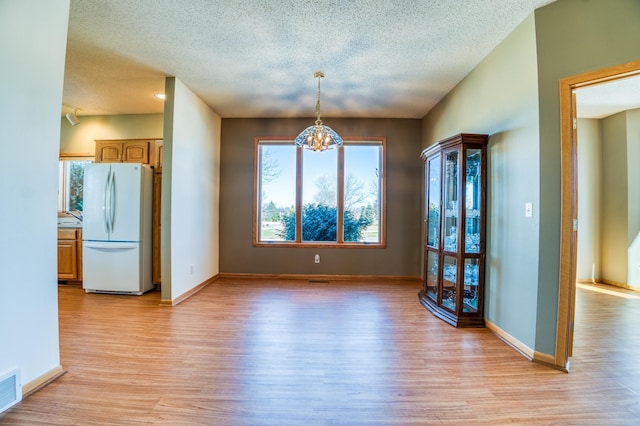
(68, 222)
(70, 225)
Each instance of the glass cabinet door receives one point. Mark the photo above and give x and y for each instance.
(471, 289)
(433, 201)
(449, 272)
(473, 200)
(431, 283)
(451, 201)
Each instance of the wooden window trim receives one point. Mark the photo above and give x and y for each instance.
(339, 243)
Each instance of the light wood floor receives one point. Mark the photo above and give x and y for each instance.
(299, 353)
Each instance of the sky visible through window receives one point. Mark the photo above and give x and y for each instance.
(280, 185)
(361, 161)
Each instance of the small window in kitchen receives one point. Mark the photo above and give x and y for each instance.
(71, 183)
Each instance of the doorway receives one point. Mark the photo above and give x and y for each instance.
(569, 209)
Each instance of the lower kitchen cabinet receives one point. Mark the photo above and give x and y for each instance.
(69, 254)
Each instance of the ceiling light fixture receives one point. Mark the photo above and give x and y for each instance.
(318, 137)
(72, 117)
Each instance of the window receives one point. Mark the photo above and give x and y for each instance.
(71, 183)
(330, 198)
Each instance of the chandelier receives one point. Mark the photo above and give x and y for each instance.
(318, 137)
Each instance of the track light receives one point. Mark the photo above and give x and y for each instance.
(72, 117)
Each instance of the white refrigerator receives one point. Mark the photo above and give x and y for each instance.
(117, 228)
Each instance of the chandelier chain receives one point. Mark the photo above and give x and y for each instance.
(318, 75)
(318, 137)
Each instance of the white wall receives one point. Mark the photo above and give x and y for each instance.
(191, 192)
(33, 37)
(500, 98)
(588, 266)
(80, 139)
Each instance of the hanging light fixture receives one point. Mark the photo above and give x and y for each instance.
(318, 137)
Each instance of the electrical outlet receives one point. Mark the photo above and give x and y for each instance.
(317, 258)
(191, 270)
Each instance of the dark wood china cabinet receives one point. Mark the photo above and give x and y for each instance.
(454, 229)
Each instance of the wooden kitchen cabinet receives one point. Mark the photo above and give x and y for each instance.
(69, 254)
(157, 156)
(142, 151)
(108, 152)
(157, 227)
(157, 211)
(135, 152)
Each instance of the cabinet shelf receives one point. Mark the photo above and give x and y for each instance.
(455, 209)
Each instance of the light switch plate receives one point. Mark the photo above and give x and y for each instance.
(528, 209)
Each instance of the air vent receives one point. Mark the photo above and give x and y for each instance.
(10, 389)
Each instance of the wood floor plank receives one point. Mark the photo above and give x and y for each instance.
(268, 352)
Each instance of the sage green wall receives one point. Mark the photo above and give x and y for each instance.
(589, 198)
(401, 257)
(573, 37)
(80, 139)
(614, 198)
(499, 98)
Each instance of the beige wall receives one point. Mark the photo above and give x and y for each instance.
(633, 202)
(401, 257)
(609, 199)
(589, 199)
(614, 198)
(80, 139)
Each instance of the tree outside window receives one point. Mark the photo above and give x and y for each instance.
(71, 185)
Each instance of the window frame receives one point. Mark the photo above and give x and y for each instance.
(63, 196)
(339, 243)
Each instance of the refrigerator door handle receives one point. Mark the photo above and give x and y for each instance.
(110, 246)
(112, 207)
(106, 203)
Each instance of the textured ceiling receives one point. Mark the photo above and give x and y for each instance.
(603, 100)
(252, 58)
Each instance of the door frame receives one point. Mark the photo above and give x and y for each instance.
(568, 200)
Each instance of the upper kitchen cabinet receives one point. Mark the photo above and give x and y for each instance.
(128, 151)
(157, 156)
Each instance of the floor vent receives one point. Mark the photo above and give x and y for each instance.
(10, 389)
